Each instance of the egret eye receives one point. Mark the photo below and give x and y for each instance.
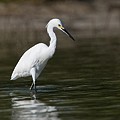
(59, 25)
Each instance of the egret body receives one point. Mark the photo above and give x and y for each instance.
(35, 59)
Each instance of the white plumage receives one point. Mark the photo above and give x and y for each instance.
(35, 59)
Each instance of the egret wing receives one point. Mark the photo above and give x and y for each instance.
(32, 57)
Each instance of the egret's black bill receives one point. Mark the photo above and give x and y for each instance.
(64, 30)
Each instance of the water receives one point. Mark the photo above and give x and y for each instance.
(81, 83)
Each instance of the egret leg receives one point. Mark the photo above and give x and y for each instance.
(31, 87)
(33, 72)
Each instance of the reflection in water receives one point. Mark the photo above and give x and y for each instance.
(26, 109)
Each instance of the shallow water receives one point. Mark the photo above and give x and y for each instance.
(81, 83)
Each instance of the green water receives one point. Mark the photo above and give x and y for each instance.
(79, 83)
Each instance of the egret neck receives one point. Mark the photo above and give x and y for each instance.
(53, 40)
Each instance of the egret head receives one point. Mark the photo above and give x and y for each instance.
(58, 24)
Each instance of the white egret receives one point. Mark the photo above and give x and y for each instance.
(35, 59)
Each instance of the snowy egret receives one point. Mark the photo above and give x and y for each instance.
(35, 59)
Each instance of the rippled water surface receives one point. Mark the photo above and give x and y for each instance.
(81, 83)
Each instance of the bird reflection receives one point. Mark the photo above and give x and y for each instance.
(32, 109)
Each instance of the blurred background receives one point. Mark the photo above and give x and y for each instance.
(22, 22)
(82, 81)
